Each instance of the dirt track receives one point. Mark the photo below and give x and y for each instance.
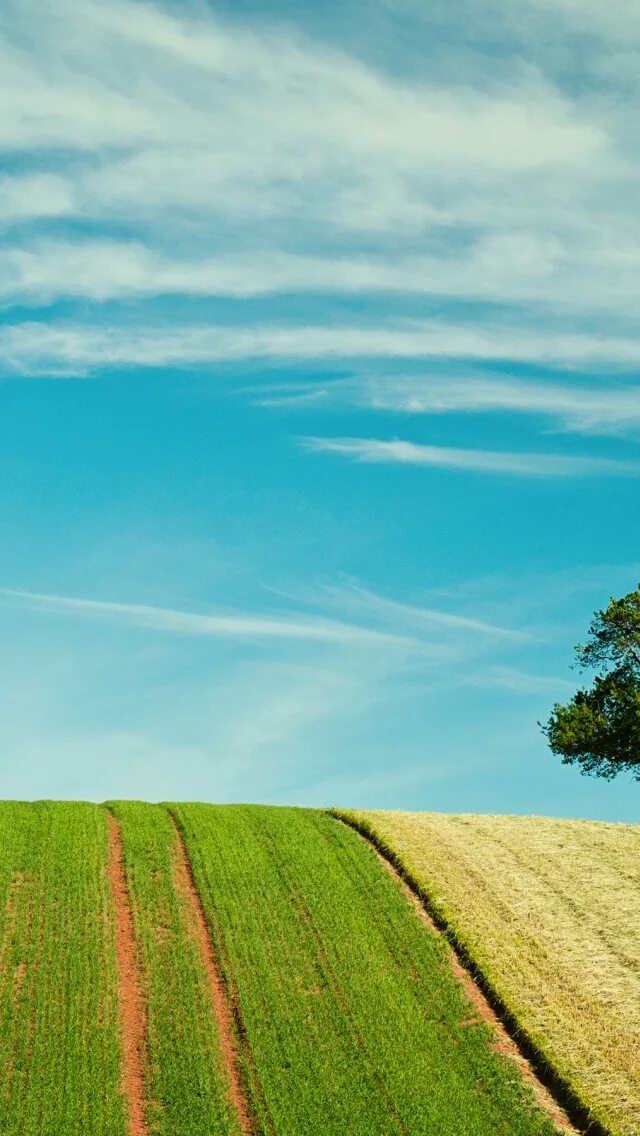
(186, 887)
(503, 1042)
(133, 1016)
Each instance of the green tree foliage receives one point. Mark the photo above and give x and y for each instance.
(599, 729)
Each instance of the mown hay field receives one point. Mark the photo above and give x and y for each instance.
(235, 971)
(549, 912)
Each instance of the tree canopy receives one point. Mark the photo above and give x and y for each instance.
(599, 729)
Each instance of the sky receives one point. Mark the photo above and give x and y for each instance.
(319, 395)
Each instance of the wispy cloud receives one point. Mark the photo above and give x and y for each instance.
(584, 405)
(581, 407)
(517, 681)
(352, 598)
(374, 451)
(345, 615)
(28, 197)
(238, 625)
(345, 114)
(175, 139)
(497, 159)
(500, 268)
(65, 348)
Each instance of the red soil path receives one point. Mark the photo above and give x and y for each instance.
(133, 1017)
(186, 888)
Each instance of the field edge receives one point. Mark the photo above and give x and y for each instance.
(556, 1084)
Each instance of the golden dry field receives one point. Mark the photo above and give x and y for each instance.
(549, 912)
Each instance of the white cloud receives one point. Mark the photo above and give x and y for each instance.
(227, 93)
(374, 451)
(619, 19)
(66, 348)
(353, 598)
(27, 196)
(276, 722)
(578, 407)
(509, 268)
(170, 121)
(238, 625)
(230, 156)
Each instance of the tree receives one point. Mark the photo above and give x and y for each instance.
(599, 730)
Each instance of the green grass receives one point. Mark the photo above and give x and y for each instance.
(347, 1016)
(549, 912)
(186, 1078)
(59, 1052)
(352, 1016)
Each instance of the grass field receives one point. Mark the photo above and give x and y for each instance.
(549, 910)
(200, 970)
(59, 1050)
(352, 1018)
(186, 1082)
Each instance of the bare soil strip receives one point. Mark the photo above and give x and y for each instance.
(504, 1043)
(186, 887)
(133, 1015)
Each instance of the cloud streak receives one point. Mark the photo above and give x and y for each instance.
(374, 451)
(205, 156)
(117, 98)
(65, 348)
(579, 407)
(235, 626)
(355, 599)
(498, 268)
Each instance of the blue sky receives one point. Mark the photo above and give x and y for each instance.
(320, 403)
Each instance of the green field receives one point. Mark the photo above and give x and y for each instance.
(186, 1081)
(352, 1017)
(286, 984)
(59, 1045)
(549, 912)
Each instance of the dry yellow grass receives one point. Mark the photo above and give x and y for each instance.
(549, 911)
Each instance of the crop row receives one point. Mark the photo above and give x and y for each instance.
(286, 986)
(548, 911)
(185, 1076)
(351, 1017)
(59, 1044)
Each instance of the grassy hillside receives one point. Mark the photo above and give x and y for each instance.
(185, 970)
(60, 1063)
(186, 1081)
(549, 910)
(238, 971)
(352, 1021)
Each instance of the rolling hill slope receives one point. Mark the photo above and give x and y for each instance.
(185, 970)
(549, 912)
(60, 1055)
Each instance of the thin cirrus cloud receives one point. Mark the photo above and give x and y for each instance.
(494, 188)
(364, 618)
(580, 407)
(376, 452)
(66, 348)
(237, 625)
(353, 598)
(195, 66)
